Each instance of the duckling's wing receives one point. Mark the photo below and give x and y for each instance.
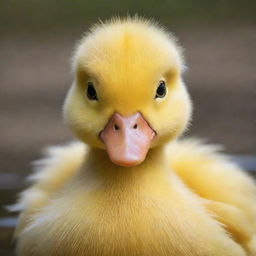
(230, 192)
(53, 171)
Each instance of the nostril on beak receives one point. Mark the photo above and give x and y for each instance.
(135, 126)
(116, 127)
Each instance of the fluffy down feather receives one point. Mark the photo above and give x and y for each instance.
(183, 200)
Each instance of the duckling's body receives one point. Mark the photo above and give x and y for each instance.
(89, 213)
(176, 200)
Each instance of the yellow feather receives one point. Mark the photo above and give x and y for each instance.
(183, 200)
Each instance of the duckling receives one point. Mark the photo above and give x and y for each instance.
(131, 186)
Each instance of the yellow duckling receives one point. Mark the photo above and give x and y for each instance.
(126, 192)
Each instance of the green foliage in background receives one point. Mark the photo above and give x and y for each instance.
(27, 14)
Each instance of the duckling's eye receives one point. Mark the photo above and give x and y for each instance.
(161, 90)
(91, 92)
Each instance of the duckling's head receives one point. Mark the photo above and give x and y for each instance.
(128, 94)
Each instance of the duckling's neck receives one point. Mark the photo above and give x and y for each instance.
(98, 165)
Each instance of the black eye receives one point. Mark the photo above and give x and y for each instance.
(91, 92)
(161, 90)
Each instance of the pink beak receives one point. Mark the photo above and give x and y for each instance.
(127, 139)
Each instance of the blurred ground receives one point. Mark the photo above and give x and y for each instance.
(36, 45)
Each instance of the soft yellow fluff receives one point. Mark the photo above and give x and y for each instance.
(184, 199)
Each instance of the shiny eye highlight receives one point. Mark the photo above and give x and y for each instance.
(161, 90)
(91, 92)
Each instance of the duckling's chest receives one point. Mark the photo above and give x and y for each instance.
(115, 222)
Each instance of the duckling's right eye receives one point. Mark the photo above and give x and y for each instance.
(91, 92)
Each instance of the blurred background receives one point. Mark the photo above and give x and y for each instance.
(36, 42)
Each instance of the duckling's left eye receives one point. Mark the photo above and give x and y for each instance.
(91, 92)
(161, 90)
